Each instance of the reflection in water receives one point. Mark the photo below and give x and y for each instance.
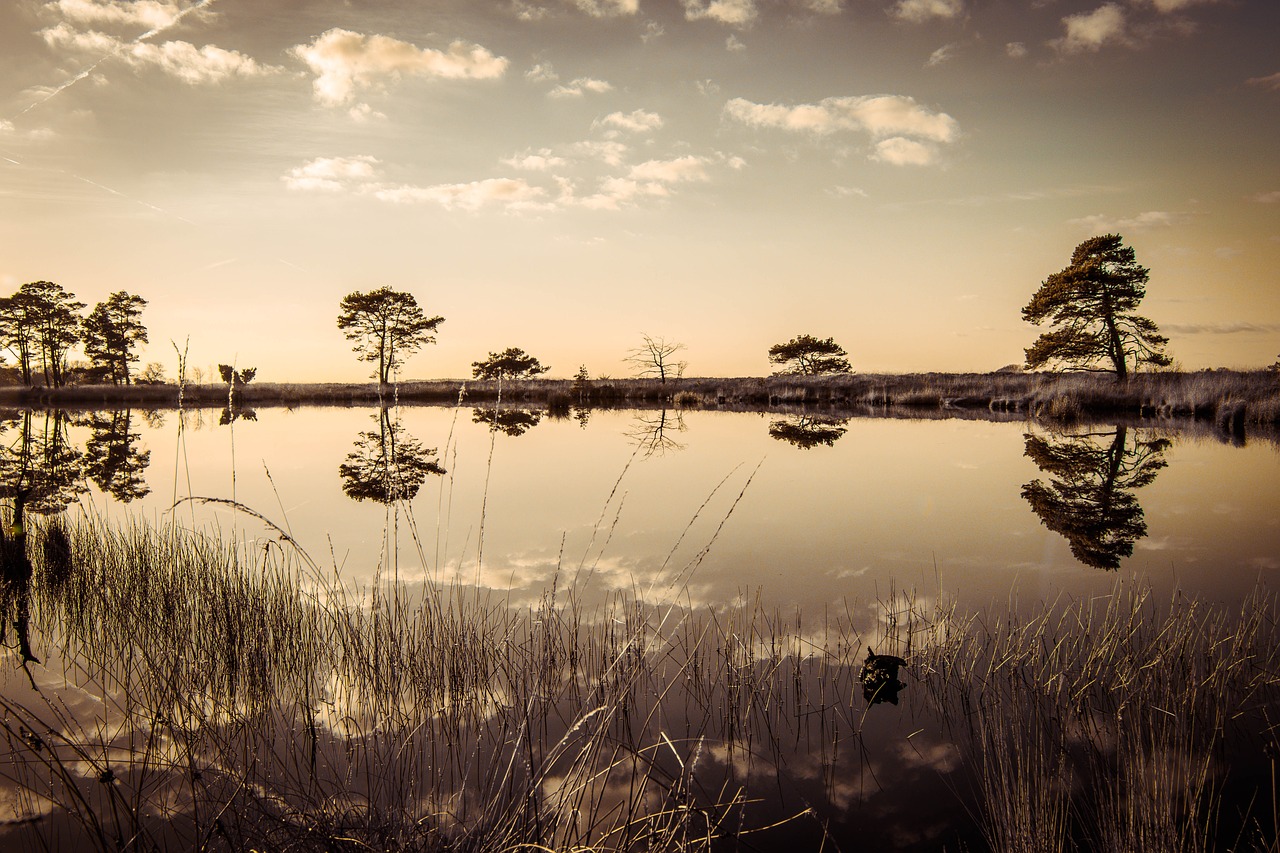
(388, 465)
(231, 414)
(511, 422)
(1089, 499)
(40, 465)
(15, 580)
(652, 432)
(806, 431)
(112, 458)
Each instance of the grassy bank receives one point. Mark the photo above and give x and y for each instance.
(1231, 398)
(196, 696)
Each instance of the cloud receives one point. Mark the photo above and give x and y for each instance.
(1089, 31)
(344, 61)
(512, 193)
(1268, 198)
(1102, 224)
(140, 13)
(847, 192)
(737, 13)
(180, 59)
(898, 151)
(1237, 328)
(1015, 50)
(678, 170)
(606, 151)
(941, 55)
(542, 73)
(882, 116)
(579, 87)
(607, 8)
(542, 160)
(637, 121)
(733, 44)
(1167, 6)
(919, 11)
(823, 7)
(331, 174)
(1271, 81)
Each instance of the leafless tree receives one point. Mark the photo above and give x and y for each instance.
(657, 357)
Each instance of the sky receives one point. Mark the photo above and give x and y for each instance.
(567, 176)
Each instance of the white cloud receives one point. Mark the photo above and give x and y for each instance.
(1176, 5)
(180, 59)
(678, 170)
(733, 44)
(512, 193)
(848, 192)
(1271, 81)
(606, 151)
(1089, 31)
(918, 11)
(652, 30)
(737, 13)
(542, 160)
(1102, 224)
(141, 13)
(941, 55)
(579, 87)
(879, 115)
(823, 7)
(542, 73)
(331, 174)
(344, 61)
(899, 151)
(1015, 50)
(637, 121)
(607, 8)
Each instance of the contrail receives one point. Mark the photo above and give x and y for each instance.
(154, 31)
(102, 187)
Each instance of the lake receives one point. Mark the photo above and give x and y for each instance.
(795, 518)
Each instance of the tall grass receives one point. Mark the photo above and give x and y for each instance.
(200, 696)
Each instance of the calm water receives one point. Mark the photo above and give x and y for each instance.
(810, 513)
(803, 512)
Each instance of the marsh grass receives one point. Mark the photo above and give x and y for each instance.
(201, 696)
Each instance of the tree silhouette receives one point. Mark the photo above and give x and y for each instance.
(512, 422)
(387, 465)
(112, 458)
(511, 363)
(1090, 303)
(40, 466)
(806, 355)
(809, 431)
(51, 318)
(387, 327)
(18, 326)
(1089, 498)
(657, 357)
(112, 332)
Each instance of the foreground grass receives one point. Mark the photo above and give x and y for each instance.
(198, 697)
(1232, 399)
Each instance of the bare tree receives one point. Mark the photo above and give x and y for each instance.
(657, 357)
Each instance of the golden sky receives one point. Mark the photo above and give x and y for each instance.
(567, 175)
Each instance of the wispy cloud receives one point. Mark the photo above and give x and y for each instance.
(943, 54)
(918, 11)
(345, 61)
(542, 160)
(737, 13)
(1272, 197)
(1271, 81)
(636, 121)
(510, 193)
(331, 174)
(1101, 223)
(1237, 328)
(607, 8)
(581, 86)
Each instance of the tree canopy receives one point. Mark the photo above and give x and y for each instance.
(112, 333)
(511, 363)
(1091, 305)
(806, 355)
(387, 327)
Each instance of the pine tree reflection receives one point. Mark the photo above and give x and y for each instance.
(1089, 499)
(387, 465)
(511, 422)
(654, 432)
(807, 431)
(113, 460)
(40, 464)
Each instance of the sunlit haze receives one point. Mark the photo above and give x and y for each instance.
(567, 175)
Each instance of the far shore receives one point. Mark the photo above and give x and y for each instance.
(1230, 399)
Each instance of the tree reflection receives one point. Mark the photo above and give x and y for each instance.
(511, 422)
(39, 466)
(113, 460)
(231, 414)
(654, 432)
(1089, 499)
(387, 465)
(807, 431)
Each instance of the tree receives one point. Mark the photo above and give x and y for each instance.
(656, 357)
(43, 321)
(387, 327)
(18, 326)
(112, 457)
(511, 363)
(1091, 305)
(809, 356)
(112, 332)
